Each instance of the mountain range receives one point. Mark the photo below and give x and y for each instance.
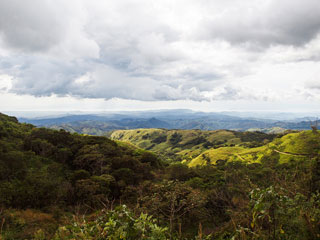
(101, 124)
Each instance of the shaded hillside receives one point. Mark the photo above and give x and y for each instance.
(188, 144)
(40, 167)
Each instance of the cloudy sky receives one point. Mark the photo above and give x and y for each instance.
(210, 55)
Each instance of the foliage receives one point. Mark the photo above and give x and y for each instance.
(23, 224)
(174, 202)
(120, 223)
(276, 215)
(41, 167)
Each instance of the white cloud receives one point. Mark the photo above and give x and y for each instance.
(162, 50)
(46, 27)
(5, 83)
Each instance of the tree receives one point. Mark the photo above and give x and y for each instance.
(173, 200)
(91, 159)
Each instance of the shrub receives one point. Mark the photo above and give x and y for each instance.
(116, 224)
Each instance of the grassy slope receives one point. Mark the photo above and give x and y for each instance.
(236, 153)
(186, 145)
(305, 142)
(291, 146)
(196, 147)
(170, 143)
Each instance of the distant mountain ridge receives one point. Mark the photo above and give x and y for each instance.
(99, 124)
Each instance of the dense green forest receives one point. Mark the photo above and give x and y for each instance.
(182, 185)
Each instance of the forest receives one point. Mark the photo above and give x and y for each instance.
(158, 184)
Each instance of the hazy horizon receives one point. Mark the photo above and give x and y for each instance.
(274, 115)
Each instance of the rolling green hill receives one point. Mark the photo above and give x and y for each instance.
(188, 144)
(212, 156)
(292, 146)
(196, 147)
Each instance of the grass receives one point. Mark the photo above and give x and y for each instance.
(176, 144)
(304, 142)
(236, 153)
(196, 147)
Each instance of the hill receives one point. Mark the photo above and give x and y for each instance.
(40, 167)
(293, 146)
(197, 147)
(188, 144)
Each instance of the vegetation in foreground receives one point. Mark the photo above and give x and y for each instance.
(57, 185)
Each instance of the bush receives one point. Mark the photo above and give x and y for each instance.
(116, 224)
(277, 215)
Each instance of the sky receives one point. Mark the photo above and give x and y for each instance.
(207, 55)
